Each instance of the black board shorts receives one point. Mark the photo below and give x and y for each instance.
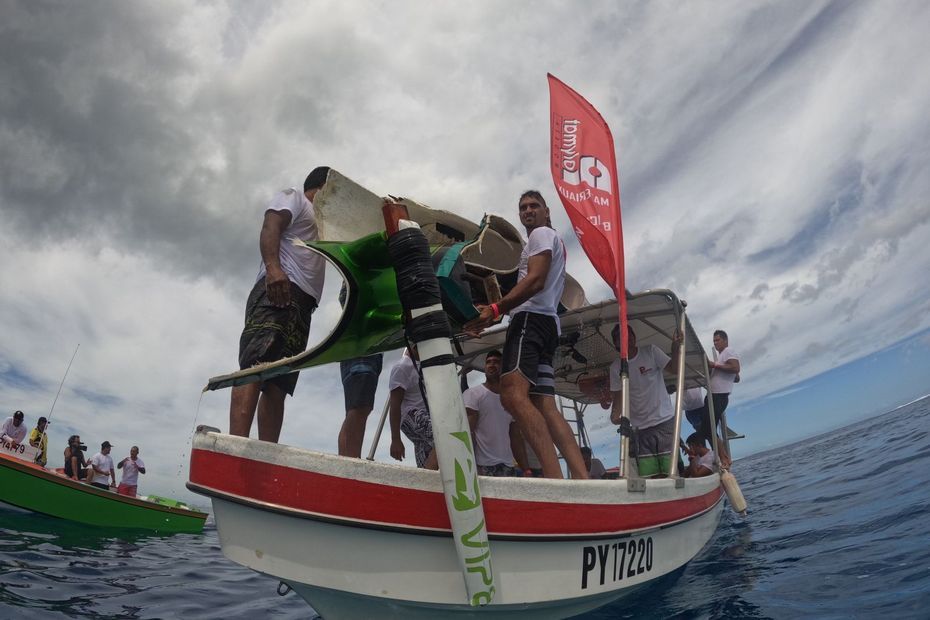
(530, 347)
(272, 333)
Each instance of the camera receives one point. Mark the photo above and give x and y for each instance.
(82, 446)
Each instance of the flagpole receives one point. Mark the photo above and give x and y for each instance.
(584, 170)
(626, 427)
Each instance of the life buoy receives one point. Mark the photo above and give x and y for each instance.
(737, 501)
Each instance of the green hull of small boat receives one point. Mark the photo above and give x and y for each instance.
(31, 487)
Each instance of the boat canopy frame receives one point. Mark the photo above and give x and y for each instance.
(585, 353)
(654, 316)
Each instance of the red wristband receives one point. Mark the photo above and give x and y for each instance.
(496, 310)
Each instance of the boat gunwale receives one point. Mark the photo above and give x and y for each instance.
(428, 531)
(319, 473)
(210, 440)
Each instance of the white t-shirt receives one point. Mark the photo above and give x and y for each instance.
(104, 462)
(708, 461)
(649, 400)
(546, 301)
(131, 471)
(15, 433)
(693, 398)
(721, 381)
(492, 433)
(404, 375)
(304, 268)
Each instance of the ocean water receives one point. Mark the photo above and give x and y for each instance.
(838, 528)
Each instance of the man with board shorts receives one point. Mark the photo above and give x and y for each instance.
(651, 412)
(277, 315)
(527, 379)
(359, 385)
(409, 413)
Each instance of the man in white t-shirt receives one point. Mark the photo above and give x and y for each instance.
(652, 415)
(701, 458)
(278, 311)
(102, 467)
(723, 373)
(13, 430)
(409, 413)
(132, 466)
(527, 380)
(495, 434)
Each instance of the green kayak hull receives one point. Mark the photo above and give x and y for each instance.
(31, 487)
(372, 319)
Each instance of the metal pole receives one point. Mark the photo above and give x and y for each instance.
(679, 395)
(624, 413)
(377, 438)
(61, 385)
(726, 437)
(427, 326)
(48, 420)
(713, 417)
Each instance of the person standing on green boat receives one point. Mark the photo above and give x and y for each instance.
(132, 466)
(103, 469)
(38, 439)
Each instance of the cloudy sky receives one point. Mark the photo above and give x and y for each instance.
(773, 166)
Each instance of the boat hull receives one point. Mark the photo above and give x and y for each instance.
(345, 572)
(359, 539)
(31, 487)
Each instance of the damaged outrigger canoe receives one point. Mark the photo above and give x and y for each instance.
(357, 538)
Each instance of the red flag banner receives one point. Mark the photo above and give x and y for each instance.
(584, 170)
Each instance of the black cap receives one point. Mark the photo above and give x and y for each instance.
(18, 414)
(106, 444)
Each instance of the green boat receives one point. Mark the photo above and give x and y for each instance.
(32, 487)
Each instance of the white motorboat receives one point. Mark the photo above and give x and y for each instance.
(360, 539)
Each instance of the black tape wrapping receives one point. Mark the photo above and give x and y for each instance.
(439, 360)
(428, 326)
(417, 285)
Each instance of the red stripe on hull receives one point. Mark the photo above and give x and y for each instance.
(344, 498)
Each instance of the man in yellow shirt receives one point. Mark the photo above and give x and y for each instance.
(38, 439)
